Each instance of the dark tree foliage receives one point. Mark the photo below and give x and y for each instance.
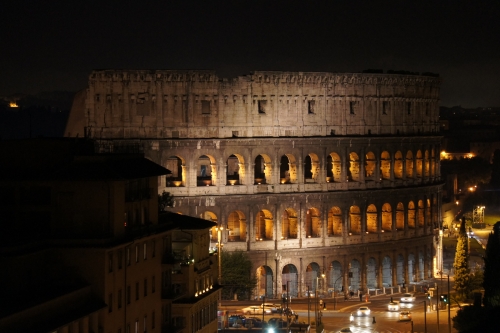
(237, 275)
(461, 264)
(474, 319)
(469, 171)
(491, 282)
(495, 173)
(165, 200)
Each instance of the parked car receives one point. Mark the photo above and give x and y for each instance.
(253, 322)
(277, 322)
(363, 311)
(408, 298)
(393, 306)
(233, 320)
(405, 315)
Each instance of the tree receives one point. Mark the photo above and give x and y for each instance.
(461, 264)
(492, 269)
(165, 199)
(495, 174)
(237, 275)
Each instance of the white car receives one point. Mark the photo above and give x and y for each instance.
(255, 309)
(407, 298)
(363, 311)
(393, 306)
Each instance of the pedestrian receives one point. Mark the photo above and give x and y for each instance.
(351, 318)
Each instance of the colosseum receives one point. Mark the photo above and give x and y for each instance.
(329, 181)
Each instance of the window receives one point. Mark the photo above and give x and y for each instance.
(153, 249)
(262, 106)
(310, 107)
(137, 326)
(385, 107)
(120, 255)
(352, 106)
(128, 294)
(145, 287)
(110, 262)
(110, 303)
(205, 107)
(408, 107)
(128, 256)
(145, 251)
(119, 299)
(136, 291)
(137, 253)
(153, 282)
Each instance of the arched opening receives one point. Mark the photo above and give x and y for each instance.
(311, 168)
(335, 222)
(289, 227)
(210, 216)
(433, 163)
(235, 166)
(355, 272)
(353, 171)
(428, 210)
(398, 165)
(421, 269)
(385, 165)
(386, 217)
(370, 165)
(264, 276)
(354, 220)
(237, 227)
(284, 170)
(400, 270)
(176, 166)
(419, 164)
(411, 268)
(409, 164)
(333, 168)
(289, 280)
(313, 223)
(371, 274)
(426, 164)
(411, 215)
(336, 274)
(387, 272)
(313, 279)
(264, 226)
(206, 171)
(262, 170)
(420, 213)
(400, 216)
(371, 219)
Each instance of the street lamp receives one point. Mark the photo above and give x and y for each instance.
(335, 291)
(316, 294)
(219, 250)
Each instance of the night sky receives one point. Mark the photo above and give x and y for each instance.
(53, 45)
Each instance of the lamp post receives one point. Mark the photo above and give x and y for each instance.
(334, 292)
(219, 250)
(316, 294)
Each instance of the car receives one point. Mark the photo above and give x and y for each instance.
(393, 306)
(404, 315)
(270, 306)
(363, 311)
(253, 322)
(405, 305)
(407, 298)
(277, 322)
(233, 320)
(255, 309)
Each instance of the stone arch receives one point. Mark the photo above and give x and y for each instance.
(419, 163)
(176, 165)
(400, 216)
(264, 225)
(206, 171)
(433, 162)
(426, 164)
(387, 272)
(421, 269)
(371, 273)
(428, 210)
(264, 276)
(335, 276)
(385, 165)
(409, 164)
(288, 169)
(421, 213)
(289, 225)
(334, 168)
(237, 226)
(313, 223)
(411, 215)
(398, 165)
(354, 220)
(312, 277)
(355, 280)
(311, 168)
(289, 280)
(210, 216)
(371, 219)
(335, 221)
(262, 169)
(370, 166)
(354, 168)
(386, 217)
(400, 274)
(411, 268)
(235, 169)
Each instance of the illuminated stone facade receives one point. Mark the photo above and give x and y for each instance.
(309, 172)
